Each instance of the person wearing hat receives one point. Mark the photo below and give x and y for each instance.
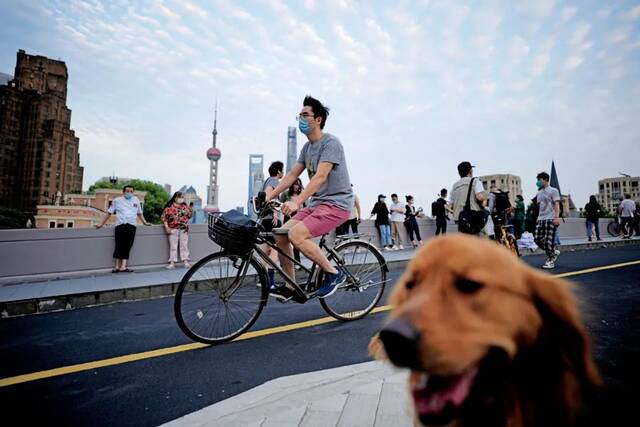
(381, 213)
(460, 190)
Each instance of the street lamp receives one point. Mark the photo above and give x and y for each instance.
(113, 179)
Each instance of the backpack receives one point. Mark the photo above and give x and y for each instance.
(470, 221)
(502, 202)
(434, 208)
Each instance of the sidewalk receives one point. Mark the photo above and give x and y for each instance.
(364, 395)
(17, 298)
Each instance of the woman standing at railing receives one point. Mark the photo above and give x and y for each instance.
(175, 218)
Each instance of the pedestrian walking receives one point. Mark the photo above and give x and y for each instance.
(548, 199)
(592, 212)
(354, 218)
(126, 208)
(381, 212)
(397, 210)
(627, 210)
(468, 199)
(269, 220)
(175, 217)
(411, 223)
(439, 210)
(519, 217)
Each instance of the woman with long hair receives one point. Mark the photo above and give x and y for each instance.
(175, 218)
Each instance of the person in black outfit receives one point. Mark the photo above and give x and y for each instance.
(381, 211)
(592, 211)
(411, 223)
(440, 212)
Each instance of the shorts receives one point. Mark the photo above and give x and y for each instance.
(322, 219)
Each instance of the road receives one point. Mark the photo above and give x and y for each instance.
(158, 389)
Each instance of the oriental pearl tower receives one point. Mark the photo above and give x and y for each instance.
(213, 154)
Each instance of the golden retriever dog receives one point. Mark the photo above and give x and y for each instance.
(489, 340)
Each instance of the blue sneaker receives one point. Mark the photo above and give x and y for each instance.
(331, 283)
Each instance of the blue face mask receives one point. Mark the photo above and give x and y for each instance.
(128, 195)
(303, 125)
(539, 184)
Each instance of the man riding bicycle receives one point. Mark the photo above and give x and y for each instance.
(330, 193)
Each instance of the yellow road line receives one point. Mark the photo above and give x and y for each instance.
(4, 382)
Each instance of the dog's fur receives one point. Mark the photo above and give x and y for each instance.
(521, 327)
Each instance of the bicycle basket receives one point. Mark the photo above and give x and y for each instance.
(233, 231)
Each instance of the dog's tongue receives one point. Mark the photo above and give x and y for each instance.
(432, 394)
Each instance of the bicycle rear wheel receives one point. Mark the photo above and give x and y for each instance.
(220, 297)
(613, 228)
(364, 286)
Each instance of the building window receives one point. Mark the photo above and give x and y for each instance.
(60, 225)
(52, 224)
(634, 183)
(70, 224)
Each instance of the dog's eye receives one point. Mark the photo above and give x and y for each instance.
(468, 286)
(410, 284)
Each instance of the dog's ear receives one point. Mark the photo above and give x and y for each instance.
(562, 323)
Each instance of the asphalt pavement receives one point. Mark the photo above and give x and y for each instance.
(159, 389)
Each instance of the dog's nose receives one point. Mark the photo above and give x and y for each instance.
(400, 339)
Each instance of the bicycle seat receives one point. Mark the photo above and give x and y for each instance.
(280, 231)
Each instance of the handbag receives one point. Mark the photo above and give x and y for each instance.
(470, 221)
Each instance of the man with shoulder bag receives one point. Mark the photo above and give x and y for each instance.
(467, 200)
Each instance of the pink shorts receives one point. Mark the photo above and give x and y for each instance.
(321, 219)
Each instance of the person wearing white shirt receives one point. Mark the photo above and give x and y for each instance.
(127, 208)
(627, 210)
(397, 210)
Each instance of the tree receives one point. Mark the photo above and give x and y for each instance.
(12, 218)
(154, 200)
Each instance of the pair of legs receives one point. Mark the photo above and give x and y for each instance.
(304, 226)
(412, 229)
(396, 233)
(125, 234)
(626, 226)
(178, 238)
(344, 228)
(590, 226)
(546, 238)
(385, 235)
(441, 225)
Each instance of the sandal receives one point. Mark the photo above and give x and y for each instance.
(115, 270)
(126, 270)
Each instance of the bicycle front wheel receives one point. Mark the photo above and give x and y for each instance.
(220, 297)
(613, 228)
(365, 283)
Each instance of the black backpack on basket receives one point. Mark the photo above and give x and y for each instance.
(470, 221)
(233, 231)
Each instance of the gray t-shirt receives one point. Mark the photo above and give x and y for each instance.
(336, 190)
(627, 208)
(272, 181)
(546, 199)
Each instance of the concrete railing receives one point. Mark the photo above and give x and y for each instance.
(32, 253)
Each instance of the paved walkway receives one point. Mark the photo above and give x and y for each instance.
(57, 287)
(363, 395)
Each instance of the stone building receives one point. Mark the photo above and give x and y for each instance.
(504, 182)
(38, 150)
(611, 190)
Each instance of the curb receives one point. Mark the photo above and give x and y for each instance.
(96, 298)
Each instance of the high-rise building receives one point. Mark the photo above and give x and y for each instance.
(256, 180)
(38, 149)
(505, 182)
(292, 148)
(213, 154)
(611, 190)
(191, 197)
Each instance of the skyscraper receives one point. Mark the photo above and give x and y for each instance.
(213, 154)
(39, 150)
(256, 180)
(292, 148)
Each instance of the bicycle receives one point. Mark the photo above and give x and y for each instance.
(506, 235)
(613, 227)
(222, 295)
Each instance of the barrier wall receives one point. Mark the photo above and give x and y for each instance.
(60, 252)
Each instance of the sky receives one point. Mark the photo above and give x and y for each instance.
(414, 87)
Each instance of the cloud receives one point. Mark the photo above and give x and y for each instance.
(618, 35)
(568, 13)
(633, 13)
(537, 8)
(582, 29)
(572, 62)
(539, 64)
